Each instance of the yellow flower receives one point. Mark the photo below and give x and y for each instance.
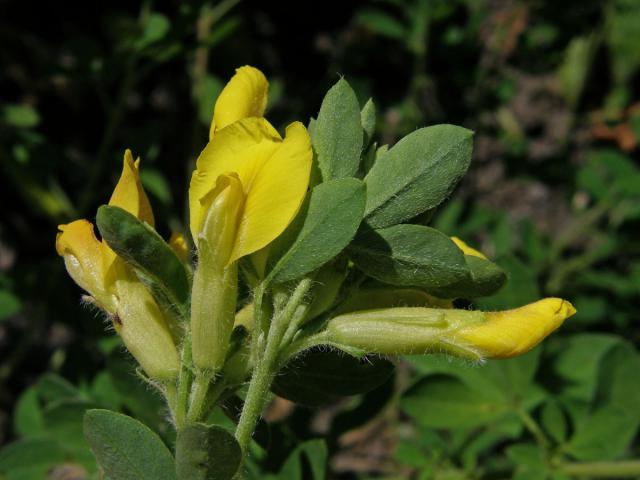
(248, 185)
(514, 332)
(244, 96)
(274, 174)
(470, 334)
(114, 286)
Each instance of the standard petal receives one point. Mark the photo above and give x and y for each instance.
(83, 256)
(237, 148)
(244, 96)
(276, 192)
(129, 193)
(514, 332)
(466, 249)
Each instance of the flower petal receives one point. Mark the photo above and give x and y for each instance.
(237, 148)
(276, 192)
(244, 96)
(84, 258)
(514, 332)
(129, 193)
(467, 250)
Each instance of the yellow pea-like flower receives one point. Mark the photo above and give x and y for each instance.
(274, 174)
(248, 185)
(86, 258)
(114, 286)
(470, 334)
(244, 96)
(514, 332)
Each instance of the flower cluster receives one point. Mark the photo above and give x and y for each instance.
(314, 224)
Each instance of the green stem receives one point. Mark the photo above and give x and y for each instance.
(265, 369)
(257, 330)
(296, 322)
(198, 397)
(184, 384)
(291, 350)
(625, 469)
(171, 394)
(533, 428)
(213, 396)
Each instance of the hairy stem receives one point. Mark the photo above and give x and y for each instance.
(198, 397)
(184, 384)
(265, 368)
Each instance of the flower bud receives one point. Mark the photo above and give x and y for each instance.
(142, 326)
(215, 281)
(468, 334)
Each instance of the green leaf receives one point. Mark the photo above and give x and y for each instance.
(409, 255)
(54, 388)
(10, 304)
(417, 174)
(577, 363)
(521, 287)
(29, 472)
(338, 134)
(155, 183)
(104, 391)
(554, 421)
(206, 91)
(155, 28)
(442, 401)
(315, 452)
(332, 219)
(141, 246)
(618, 380)
(126, 449)
(64, 421)
(382, 23)
(368, 120)
(21, 116)
(604, 435)
(507, 381)
(206, 453)
(530, 461)
(28, 419)
(32, 452)
(143, 402)
(318, 377)
(486, 279)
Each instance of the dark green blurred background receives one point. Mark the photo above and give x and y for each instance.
(551, 89)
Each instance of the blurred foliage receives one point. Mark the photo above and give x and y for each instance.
(553, 196)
